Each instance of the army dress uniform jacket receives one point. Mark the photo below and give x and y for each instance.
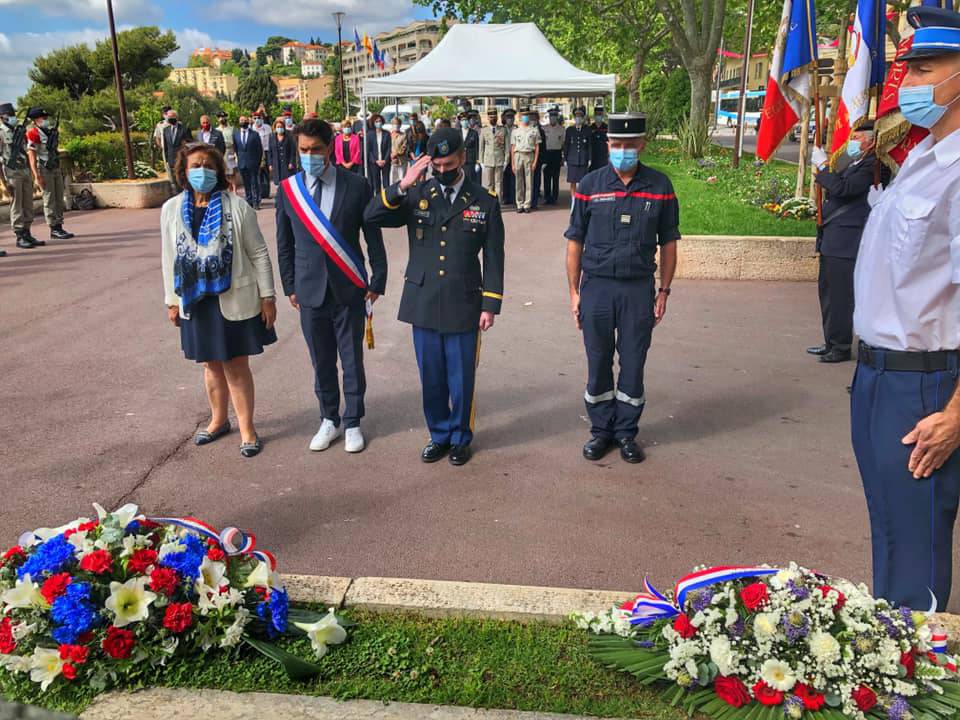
(493, 146)
(445, 287)
(577, 145)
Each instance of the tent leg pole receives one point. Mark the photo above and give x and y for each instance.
(614, 101)
(363, 119)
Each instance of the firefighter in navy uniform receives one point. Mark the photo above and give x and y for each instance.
(448, 296)
(622, 214)
(598, 139)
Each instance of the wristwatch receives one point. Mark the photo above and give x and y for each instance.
(665, 291)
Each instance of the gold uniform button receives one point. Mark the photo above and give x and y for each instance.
(444, 228)
(441, 273)
(443, 243)
(442, 258)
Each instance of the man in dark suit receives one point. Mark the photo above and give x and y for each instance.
(211, 136)
(378, 146)
(319, 218)
(249, 156)
(470, 129)
(174, 136)
(845, 211)
(447, 296)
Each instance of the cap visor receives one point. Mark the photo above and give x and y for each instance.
(923, 52)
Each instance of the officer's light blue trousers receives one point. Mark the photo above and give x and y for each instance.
(911, 521)
(448, 368)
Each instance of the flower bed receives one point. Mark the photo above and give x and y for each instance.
(762, 643)
(101, 601)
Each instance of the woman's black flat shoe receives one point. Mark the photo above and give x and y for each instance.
(205, 436)
(249, 450)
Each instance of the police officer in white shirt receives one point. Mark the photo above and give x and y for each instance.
(906, 404)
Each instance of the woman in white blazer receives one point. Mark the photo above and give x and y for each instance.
(218, 288)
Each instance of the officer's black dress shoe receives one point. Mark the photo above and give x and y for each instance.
(836, 356)
(25, 243)
(818, 350)
(35, 241)
(434, 451)
(58, 233)
(631, 451)
(596, 448)
(3, 253)
(460, 454)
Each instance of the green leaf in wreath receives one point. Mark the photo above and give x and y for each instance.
(833, 700)
(297, 668)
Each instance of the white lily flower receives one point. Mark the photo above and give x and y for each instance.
(45, 666)
(21, 630)
(234, 633)
(124, 515)
(25, 594)
(263, 576)
(324, 632)
(129, 601)
(213, 574)
(15, 663)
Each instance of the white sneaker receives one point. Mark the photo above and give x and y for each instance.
(354, 442)
(327, 433)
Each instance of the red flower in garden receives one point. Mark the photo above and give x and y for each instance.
(812, 700)
(909, 662)
(15, 553)
(76, 654)
(54, 586)
(865, 698)
(684, 627)
(841, 598)
(164, 580)
(97, 562)
(178, 617)
(767, 695)
(7, 643)
(141, 560)
(731, 690)
(216, 554)
(755, 596)
(118, 643)
(69, 671)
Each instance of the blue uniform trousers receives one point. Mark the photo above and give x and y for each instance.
(537, 182)
(616, 315)
(911, 521)
(330, 328)
(509, 185)
(448, 368)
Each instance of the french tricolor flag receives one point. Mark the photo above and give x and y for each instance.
(792, 68)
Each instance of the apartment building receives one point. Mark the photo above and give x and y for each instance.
(208, 80)
(404, 45)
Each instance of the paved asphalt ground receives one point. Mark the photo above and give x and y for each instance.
(749, 457)
(788, 150)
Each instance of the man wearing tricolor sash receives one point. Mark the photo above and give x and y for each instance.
(319, 219)
(447, 296)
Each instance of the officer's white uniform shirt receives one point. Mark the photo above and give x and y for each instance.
(907, 277)
(329, 179)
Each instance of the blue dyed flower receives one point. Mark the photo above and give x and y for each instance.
(893, 631)
(51, 557)
(795, 625)
(274, 613)
(187, 561)
(73, 614)
(800, 592)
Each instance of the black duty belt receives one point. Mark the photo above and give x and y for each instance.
(901, 361)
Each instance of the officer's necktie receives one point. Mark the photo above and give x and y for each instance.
(449, 194)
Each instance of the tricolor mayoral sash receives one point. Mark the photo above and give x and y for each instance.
(323, 231)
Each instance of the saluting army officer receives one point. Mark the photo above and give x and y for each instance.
(44, 159)
(17, 179)
(621, 214)
(448, 296)
(493, 153)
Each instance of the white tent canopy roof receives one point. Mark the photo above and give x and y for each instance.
(492, 60)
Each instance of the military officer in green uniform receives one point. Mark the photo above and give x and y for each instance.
(16, 177)
(493, 153)
(44, 156)
(524, 154)
(448, 295)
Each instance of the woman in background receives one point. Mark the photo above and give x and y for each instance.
(346, 148)
(282, 152)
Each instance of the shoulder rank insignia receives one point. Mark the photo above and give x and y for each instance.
(424, 204)
(493, 193)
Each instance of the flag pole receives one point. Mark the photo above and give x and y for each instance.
(742, 99)
(816, 100)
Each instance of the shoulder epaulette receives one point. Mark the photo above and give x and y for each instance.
(493, 193)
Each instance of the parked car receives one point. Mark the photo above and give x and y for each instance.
(795, 132)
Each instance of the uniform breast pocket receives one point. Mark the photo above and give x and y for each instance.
(414, 276)
(421, 230)
(911, 222)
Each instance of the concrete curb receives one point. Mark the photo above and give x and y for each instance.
(732, 257)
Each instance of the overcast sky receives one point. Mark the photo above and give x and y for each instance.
(29, 28)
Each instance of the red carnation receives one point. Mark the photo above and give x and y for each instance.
(179, 617)
(82, 527)
(118, 643)
(54, 586)
(164, 580)
(141, 560)
(7, 643)
(841, 598)
(684, 627)
(148, 524)
(74, 653)
(812, 700)
(767, 695)
(909, 662)
(731, 690)
(69, 671)
(865, 698)
(216, 554)
(15, 553)
(97, 562)
(755, 596)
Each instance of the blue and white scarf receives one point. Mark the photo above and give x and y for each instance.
(203, 264)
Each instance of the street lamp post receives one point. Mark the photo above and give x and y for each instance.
(338, 16)
(124, 125)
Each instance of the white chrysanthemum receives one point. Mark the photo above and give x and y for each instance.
(782, 578)
(732, 617)
(766, 625)
(824, 647)
(235, 632)
(722, 655)
(778, 675)
(16, 663)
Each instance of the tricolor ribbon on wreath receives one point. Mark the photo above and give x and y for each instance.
(233, 541)
(651, 605)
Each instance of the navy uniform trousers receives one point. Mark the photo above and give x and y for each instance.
(327, 329)
(911, 521)
(616, 316)
(509, 184)
(448, 371)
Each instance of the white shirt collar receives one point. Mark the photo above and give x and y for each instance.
(947, 151)
(457, 186)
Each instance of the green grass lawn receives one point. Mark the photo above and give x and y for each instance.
(476, 663)
(708, 209)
